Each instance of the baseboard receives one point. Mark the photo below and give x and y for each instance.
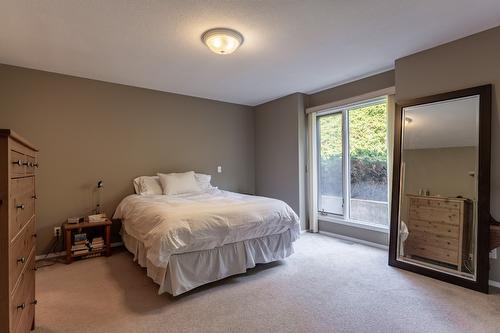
(63, 253)
(354, 240)
(495, 284)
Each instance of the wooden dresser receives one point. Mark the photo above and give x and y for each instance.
(439, 229)
(18, 165)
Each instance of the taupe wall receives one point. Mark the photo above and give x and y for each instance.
(88, 130)
(348, 90)
(352, 89)
(280, 151)
(442, 171)
(464, 63)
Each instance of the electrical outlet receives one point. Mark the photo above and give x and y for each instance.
(57, 231)
(219, 169)
(493, 254)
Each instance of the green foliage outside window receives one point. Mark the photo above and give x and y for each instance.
(368, 152)
(368, 134)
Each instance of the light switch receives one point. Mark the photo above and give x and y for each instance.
(219, 169)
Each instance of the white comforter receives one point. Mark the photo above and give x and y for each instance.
(192, 222)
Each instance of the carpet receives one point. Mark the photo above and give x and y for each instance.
(328, 285)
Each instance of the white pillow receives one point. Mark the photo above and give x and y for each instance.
(146, 185)
(178, 183)
(203, 181)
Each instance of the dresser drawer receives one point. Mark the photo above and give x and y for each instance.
(19, 252)
(22, 203)
(23, 299)
(415, 248)
(18, 164)
(26, 320)
(438, 215)
(434, 229)
(433, 203)
(426, 239)
(21, 186)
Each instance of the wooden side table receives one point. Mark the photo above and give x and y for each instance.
(68, 229)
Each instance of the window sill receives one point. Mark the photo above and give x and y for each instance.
(353, 223)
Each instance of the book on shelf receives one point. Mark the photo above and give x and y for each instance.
(97, 242)
(80, 237)
(78, 252)
(91, 255)
(80, 245)
(97, 218)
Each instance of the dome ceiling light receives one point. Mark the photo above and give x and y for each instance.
(222, 40)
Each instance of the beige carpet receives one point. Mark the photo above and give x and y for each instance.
(328, 285)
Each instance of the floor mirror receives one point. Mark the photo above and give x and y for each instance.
(440, 217)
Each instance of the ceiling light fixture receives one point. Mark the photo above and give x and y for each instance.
(222, 40)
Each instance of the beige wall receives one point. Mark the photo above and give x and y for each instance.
(280, 151)
(464, 63)
(88, 130)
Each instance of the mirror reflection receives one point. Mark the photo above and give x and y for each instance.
(439, 163)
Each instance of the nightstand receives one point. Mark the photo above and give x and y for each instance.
(96, 228)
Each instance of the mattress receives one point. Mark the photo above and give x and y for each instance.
(169, 225)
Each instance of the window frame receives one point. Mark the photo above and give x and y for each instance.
(345, 218)
(318, 166)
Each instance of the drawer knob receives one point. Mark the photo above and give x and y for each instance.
(26, 163)
(18, 162)
(35, 302)
(20, 206)
(35, 164)
(21, 260)
(34, 235)
(34, 196)
(21, 306)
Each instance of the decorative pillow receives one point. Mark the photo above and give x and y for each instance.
(178, 183)
(146, 185)
(203, 181)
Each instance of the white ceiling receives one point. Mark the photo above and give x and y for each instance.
(453, 123)
(290, 46)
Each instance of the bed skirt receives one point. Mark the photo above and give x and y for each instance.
(189, 270)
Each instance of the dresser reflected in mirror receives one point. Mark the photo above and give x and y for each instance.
(439, 190)
(435, 225)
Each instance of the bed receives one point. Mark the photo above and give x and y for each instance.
(188, 240)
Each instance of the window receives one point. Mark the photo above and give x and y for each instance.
(352, 163)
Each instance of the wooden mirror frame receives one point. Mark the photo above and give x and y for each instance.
(483, 191)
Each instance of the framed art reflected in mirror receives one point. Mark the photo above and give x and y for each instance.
(440, 216)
